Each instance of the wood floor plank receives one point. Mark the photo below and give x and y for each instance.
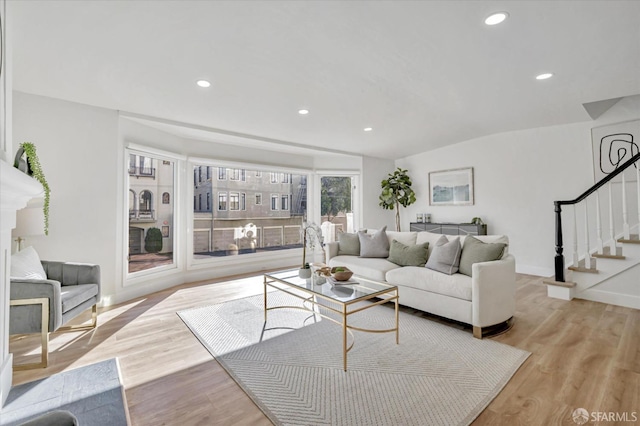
(584, 354)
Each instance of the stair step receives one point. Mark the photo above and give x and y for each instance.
(607, 253)
(608, 256)
(552, 281)
(633, 239)
(583, 269)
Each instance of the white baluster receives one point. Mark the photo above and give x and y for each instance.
(599, 223)
(587, 256)
(625, 220)
(612, 229)
(575, 238)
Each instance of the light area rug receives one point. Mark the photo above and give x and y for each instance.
(437, 375)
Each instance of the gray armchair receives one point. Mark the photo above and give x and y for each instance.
(43, 306)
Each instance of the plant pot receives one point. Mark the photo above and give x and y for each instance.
(304, 272)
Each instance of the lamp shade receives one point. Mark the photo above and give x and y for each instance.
(30, 220)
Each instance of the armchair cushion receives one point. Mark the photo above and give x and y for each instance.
(26, 264)
(75, 295)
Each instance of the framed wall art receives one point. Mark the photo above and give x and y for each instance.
(451, 187)
(614, 144)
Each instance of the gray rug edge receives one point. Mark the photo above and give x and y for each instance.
(468, 420)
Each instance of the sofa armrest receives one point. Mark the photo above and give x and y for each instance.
(331, 250)
(493, 286)
(26, 319)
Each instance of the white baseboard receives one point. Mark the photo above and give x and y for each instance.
(626, 300)
(534, 270)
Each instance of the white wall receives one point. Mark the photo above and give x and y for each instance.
(77, 147)
(374, 170)
(517, 176)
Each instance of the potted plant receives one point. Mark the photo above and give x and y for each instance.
(396, 192)
(311, 237)
(305, 271)
(31, 166)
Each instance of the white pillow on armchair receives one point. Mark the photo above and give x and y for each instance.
(25, 264)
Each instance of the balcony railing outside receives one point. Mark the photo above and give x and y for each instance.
(142, 171)
(142, 215)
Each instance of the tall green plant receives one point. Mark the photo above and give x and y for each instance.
(38, 174)
(396, 192)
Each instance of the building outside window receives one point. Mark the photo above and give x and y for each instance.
(208, 201)
(251, 227)
(151, 206)
(222, 173)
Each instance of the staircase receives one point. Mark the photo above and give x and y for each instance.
(605, 254)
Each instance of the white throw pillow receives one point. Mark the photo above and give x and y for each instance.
(26, 264)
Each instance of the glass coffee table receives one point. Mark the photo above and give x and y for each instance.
(343, 300)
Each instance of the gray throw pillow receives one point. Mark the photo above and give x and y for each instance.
(445, 256)
(348, 244)
(476, 251)
(404, 255)
(374, 245)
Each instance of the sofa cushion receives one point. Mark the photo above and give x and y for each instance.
(445, 257)
(348, 244)
(428, 237)
(26, 264)
(475, 251)
(372, 268)
(456, 285)
(491, 239)
(404, 255)
(374, 245)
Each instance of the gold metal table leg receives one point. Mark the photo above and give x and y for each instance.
(344, 337)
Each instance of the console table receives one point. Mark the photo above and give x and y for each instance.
(449, 228)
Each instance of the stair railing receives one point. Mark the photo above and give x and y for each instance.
(559, 257)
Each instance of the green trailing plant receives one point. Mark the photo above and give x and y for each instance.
(153, 240)
(36, 169)
(396, 192)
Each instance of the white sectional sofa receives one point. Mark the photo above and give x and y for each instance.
(484, 299)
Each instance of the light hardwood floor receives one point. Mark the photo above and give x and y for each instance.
(584, 354)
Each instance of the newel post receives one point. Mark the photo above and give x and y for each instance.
(559, 259)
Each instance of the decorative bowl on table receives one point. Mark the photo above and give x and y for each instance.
(341, 273)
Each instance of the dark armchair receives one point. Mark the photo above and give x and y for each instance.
(43, 306)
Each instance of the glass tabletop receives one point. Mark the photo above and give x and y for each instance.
(364, 289)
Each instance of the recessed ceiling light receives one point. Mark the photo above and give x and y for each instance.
(203, 83)
(368, 129)
(544, 76)
(496, 18)
(303, 111)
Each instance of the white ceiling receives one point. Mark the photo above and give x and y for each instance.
(422, 74)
